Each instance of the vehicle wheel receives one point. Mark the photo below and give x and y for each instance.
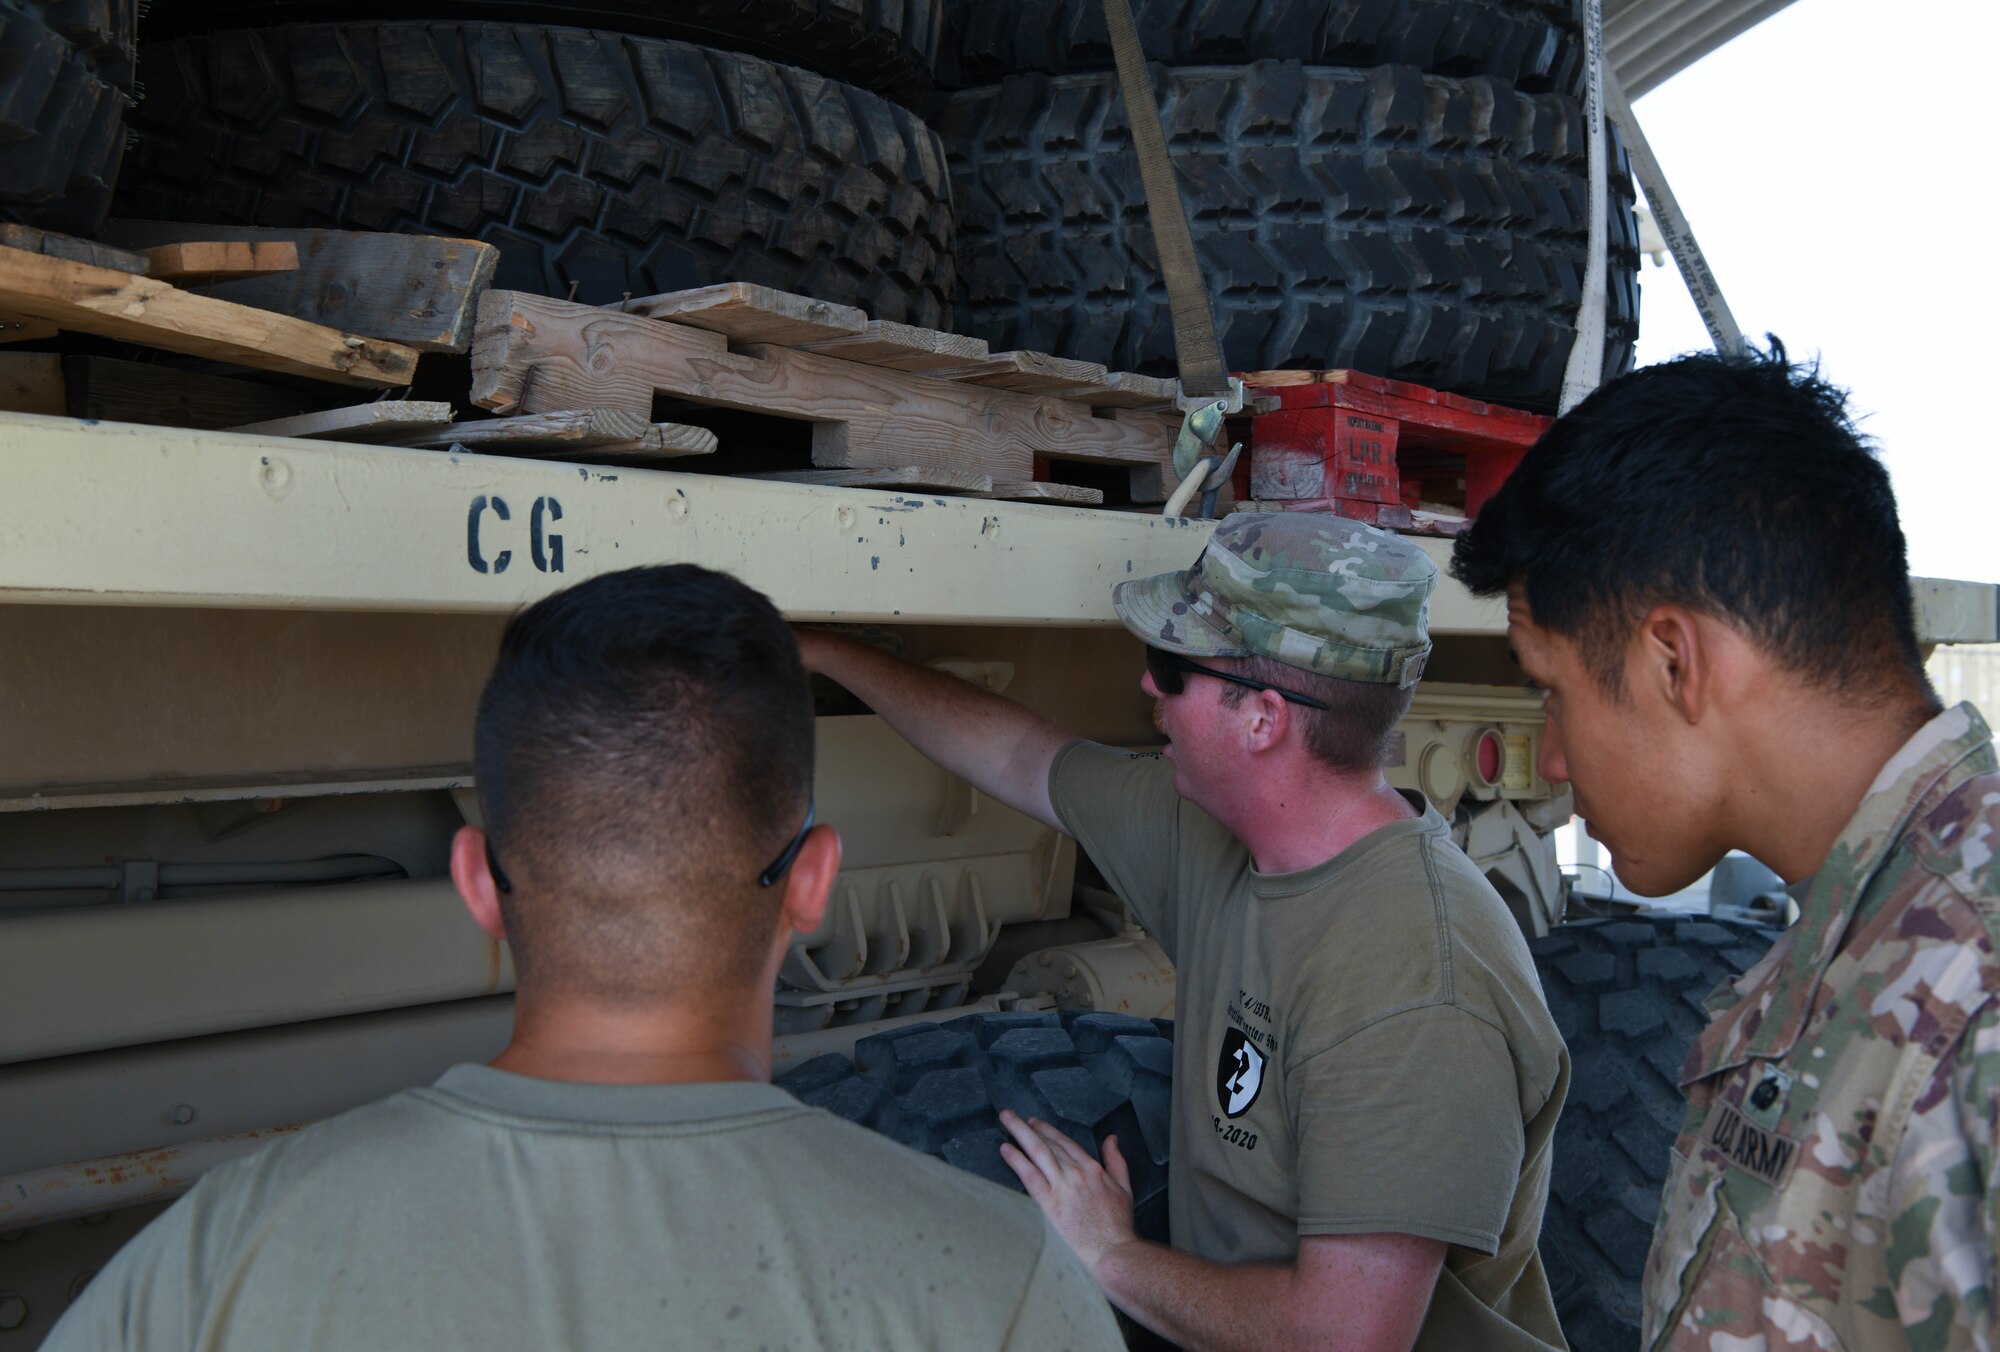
(1424, 228)
(618, 165)
(939, 1088)
(888, 46)
(1627, 997)
(65, 81)
(1535, 44)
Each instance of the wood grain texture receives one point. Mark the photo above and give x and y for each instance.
(902, 347)
(753, 314)
(202, 262)
(22, 329)
(136, 309)
(882, 476)
(32, 382)
(1128, 389)
(533, 354)
(662, 441)
(1034, 372)
(1074, 495)
(419, 290)
(361, 422)
(118, 390)
(565, 427)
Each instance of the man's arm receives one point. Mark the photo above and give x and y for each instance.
(1003, 749)
(1345, 1293)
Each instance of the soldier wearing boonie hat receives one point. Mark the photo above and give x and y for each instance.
(1366, 1077)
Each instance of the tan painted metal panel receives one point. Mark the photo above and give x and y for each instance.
(118, 514)
(113, 513)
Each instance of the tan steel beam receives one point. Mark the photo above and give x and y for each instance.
(119, 514)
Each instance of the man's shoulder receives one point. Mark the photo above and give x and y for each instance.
(1421, 929)
(866, 1170)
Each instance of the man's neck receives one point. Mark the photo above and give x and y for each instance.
(1805, 776)
(1292, 821)
(560, 1038)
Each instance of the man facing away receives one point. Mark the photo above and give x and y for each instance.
(1365, 1075)
(623, 1174)
(1705, 573)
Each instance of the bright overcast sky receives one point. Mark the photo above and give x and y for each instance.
(1837, 164)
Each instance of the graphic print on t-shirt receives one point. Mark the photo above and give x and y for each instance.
(1239, 1074)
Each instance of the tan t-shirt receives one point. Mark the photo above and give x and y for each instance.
(1360, 1047)
(493, 1211)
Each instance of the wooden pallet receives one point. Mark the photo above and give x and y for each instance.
(937, 409)
(1386, 452)
(840, 400)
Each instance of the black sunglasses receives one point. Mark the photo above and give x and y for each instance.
(768, 878)
(1169, 673)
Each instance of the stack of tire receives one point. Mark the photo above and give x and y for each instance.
(65, 80)
(1398, 186)
(637, 148)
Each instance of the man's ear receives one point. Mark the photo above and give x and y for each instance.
(811, 879)
(1671, 659)
(1265, 720)
(474, 880)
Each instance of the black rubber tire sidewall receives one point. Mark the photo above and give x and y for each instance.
(624, 165)
(1536, 45)
(939, 1088)
(887, 46)
(1420, 227)
(66, 76)
(1627, 997)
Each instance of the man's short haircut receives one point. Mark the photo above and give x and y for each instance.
(644, 748)
(1737, 487)
(1351, 735)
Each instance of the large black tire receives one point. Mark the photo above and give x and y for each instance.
(1424, 228)
(65, 80)
(888, 46)
(939, 1088)
(1535, 44)
(1627, 997)
(621, 165)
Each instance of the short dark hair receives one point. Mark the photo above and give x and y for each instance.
(1351, 734)
(1736, 486)
(644, 746)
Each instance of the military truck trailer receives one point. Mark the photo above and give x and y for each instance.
(241, 666)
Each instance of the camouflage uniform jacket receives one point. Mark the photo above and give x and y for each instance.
(1832, 1186)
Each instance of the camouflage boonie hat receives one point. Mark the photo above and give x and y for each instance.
(1312, 590)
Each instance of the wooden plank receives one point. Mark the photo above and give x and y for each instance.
(204, 262)
(69, 246)
(116, 390)
(140, 310)
(362, 422)
(533, 354)
(419, 290)
(753, 314)
(564, 427)
(1129, 389)
(903, 347)
(32, 382)
(1035, 373)
(898, 476)
(1277, 379)
(1074, 494)
(662, 441)
(20, 329)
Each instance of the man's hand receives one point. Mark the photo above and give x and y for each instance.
(1089, 1204)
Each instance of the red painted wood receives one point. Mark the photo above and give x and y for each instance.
(1335, 443)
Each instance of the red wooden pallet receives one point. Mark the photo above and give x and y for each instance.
(1373, 449)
